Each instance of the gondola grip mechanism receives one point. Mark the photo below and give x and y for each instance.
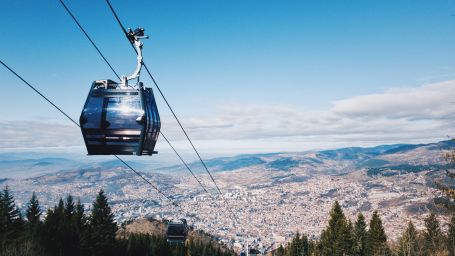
(135, 37)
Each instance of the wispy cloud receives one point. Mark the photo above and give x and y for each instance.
(34, 134)
(425, 102)
(395, 116)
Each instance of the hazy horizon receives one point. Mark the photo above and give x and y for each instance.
(267, 77)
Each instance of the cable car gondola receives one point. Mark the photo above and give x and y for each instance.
(176, 232)
(119, 118)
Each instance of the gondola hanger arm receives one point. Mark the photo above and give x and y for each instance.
(135, 38)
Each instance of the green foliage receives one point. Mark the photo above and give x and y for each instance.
(336, 238)
(34, 224)
(409, 242)
(67, 230)
(33, 212)
(377, 239)
(102, 227)
(11, 222)
(198, 247)
(53, 230)
(360, 236)
(433, 234)
(349, 239)
(451, 236)
(145, 244)
(280, 251)
(299, 246)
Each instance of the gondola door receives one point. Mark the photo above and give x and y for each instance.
(123, 120)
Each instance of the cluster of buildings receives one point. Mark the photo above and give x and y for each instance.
(263, 215)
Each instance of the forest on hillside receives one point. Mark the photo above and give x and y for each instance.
(67, 230)
(342, 237)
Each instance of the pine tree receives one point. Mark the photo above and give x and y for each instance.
(62, 229)
(432, 234)
(11, 223)
(33, 212)
(332, 238)
(79, 216)
(360, 236)
(451, 236)
(280, 251)
(377, 239)
(53, 229)
(348, 243)
(80, 228)
(102, 226)
(70, 237)
(408, 243)
(69, 207)
(34, 225)
(299, 245)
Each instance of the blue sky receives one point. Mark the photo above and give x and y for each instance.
(254, 75)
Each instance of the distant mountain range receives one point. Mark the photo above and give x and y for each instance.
(338, 161)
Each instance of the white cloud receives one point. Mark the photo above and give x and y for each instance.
(425, 102)
(402, 115)
(33, 134)
(398, 115)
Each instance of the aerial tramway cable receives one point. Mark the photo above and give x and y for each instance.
(165, 99)
(173, 113)
(113, 70)
(73, 121)
(88, 37)
(235, 220)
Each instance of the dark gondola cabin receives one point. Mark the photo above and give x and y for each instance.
(120, 120)
(176, 232)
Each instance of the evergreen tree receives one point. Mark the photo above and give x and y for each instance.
(408, 243)
(377, 239)
(79, 216)
(432, 235)
(451, 236)
(299, 245)
(70, 237)
(33, 212)
(349, 239)
(62, 229)
(139, 245)
(102, 227)
(69, 207)
(52, 232)
(332, 238)
(11, 223)
(280, 251)
(80, 228)
(60, 208)
(360, 236)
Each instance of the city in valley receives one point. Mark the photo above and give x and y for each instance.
(266, 199)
